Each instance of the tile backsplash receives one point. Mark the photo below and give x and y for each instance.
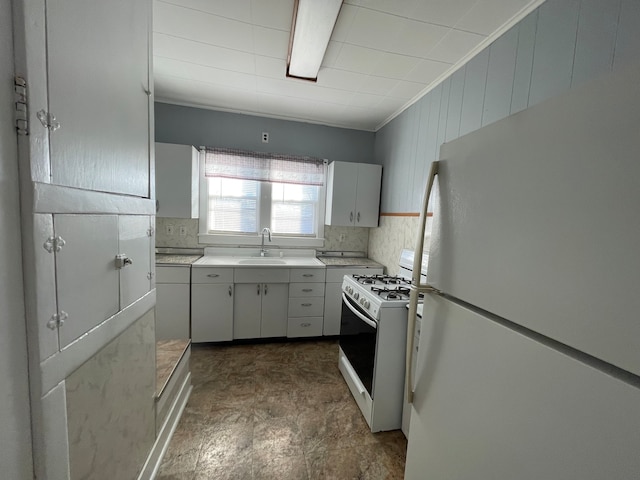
(336, 238)
(387, 241)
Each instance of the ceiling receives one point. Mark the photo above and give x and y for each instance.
(383, 55)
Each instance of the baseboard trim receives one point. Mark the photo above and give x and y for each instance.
(151, 466)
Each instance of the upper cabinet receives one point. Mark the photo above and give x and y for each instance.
(353, 194)
(177, 184)
(99, 93)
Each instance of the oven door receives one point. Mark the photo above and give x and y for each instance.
(358, 333)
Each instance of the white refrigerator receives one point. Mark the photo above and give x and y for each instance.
(529, 359)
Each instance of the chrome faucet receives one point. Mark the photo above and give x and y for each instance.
(263, 251)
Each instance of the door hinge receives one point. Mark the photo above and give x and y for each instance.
(57, 320)
(149, 275)
(150, 232)
(48, 120)
(21, 111)
(52, 244)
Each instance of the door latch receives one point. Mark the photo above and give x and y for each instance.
(122, 261)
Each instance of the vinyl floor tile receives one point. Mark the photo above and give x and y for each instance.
(276, 410)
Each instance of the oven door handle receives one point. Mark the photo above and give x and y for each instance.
(362, 317)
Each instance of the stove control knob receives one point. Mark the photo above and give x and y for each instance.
(349, 290)
(366, 304)
(356, 295)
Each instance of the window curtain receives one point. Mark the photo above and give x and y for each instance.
(265, 167)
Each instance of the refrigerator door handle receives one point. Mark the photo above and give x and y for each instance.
(415, 283)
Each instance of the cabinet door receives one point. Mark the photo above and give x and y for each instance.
(86, 275)
(274, 310)
(98, 79)
(172, 311)
(341, 194)
(368, 195)
(332, 308)
(247, 310)
(135, 279)
(211, 312)
(177, 182)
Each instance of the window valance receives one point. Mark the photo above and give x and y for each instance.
(269, 167)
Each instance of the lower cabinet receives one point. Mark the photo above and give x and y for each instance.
(172, 302)
(212, 301)
(260, 310)
(306, 303)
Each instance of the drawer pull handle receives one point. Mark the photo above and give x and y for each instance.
(306, 304)
(258, 288)
(306, 324)
(230, 290)
(213, 275)
(307, 289)
(307, 275)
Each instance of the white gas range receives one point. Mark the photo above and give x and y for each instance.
(373, 336)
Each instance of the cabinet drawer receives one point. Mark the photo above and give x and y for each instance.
(261, 275)
(306, 289)
(172, 274)
(306, 306)
(211, 275)
(304, 327)
(307, 275)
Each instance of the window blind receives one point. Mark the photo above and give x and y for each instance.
(263, 167)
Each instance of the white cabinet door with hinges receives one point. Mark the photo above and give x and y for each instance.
(260, 310)
(135, 241)
(212, 312)
(353, 194)
(87, 280)
(99, 93)
(102, 267)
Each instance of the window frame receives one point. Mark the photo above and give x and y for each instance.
(206, 237)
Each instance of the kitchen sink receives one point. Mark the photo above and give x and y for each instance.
(262, 261)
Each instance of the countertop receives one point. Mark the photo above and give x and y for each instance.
(173, 259)
(233, 261)
(260, 262)
(349, 262)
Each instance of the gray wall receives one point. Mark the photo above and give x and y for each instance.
(195, 126)
(15, 427)
(560, 45)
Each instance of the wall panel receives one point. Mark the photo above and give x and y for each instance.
(524, 62)
(554, 49)
(502, 64)
(628, 35)
(474, 88)
(596, 39)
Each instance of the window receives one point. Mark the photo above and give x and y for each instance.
(246, 191)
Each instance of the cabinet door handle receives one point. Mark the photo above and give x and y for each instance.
(307, 289)
(213, 275)
(307, 275)
(265, 289)
(358, 217)
(306, 324)
(258, 289)
(306, 304)
(351, 216)
(230, 290)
